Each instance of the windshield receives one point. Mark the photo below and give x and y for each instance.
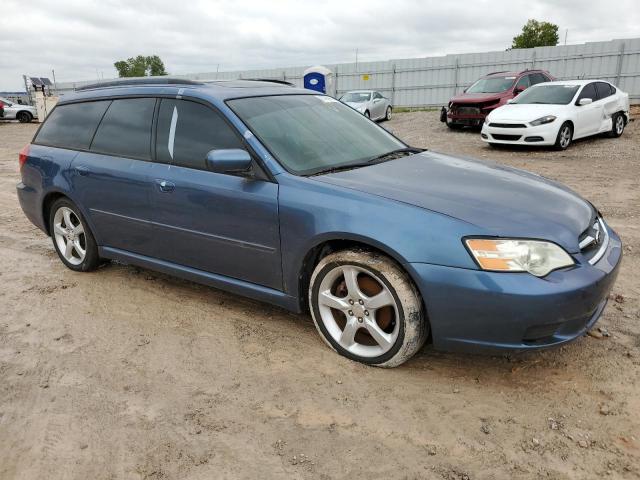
(491, 85)
(356, 97)
(309, 134)
(551, 94)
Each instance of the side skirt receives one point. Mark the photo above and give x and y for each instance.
(233, 285)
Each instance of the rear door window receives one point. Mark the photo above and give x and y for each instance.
(73, 125)
(187, 131)
(125, 130)
(604, 90)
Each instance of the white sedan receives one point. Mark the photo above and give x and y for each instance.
(556, 113)
(370, 103)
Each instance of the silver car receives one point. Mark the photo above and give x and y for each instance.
(370, 103)
(16, 111)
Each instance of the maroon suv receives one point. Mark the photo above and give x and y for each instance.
(491, 91)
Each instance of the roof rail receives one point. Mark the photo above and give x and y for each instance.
(138, 81)
(272, 80)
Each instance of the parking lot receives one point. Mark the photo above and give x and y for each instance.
(126, 373)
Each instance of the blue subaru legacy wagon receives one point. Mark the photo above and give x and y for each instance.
(292, 198)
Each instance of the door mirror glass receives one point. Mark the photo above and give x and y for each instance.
(585, 101)
(233, 160)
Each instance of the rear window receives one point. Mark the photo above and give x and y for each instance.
(72, 125)
(125, 130)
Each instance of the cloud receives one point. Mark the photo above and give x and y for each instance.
(81, 39)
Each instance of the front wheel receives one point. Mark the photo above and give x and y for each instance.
(367, 114)
(366, 308)
(72, 237)
(387, 116)
(565, 135)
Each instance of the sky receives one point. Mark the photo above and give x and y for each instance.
(81, 39)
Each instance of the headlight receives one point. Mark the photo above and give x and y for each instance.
(543, 120)
(486, 119)
(506, 255)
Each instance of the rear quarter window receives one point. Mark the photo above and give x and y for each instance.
(73, 125)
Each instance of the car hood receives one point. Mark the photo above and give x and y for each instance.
(502, 201)
(356, 105)
(525, 112)
(476, 97)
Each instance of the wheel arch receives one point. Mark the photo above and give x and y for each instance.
(329, 244)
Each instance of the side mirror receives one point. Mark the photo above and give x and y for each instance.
(233, 160)
(518, 90)
(585, 101)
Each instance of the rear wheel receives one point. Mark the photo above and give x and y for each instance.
(24, 117)
(618, 124)
(366, 308)
(565, 135)
(388, 114)
(72, 237)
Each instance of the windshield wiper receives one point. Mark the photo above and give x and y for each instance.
(395, 154)
(378, 159)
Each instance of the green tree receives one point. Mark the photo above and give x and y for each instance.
(140, 66)
(536, 34)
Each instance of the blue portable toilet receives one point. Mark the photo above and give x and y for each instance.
(320, 79)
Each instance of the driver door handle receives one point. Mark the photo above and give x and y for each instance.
(165, 186)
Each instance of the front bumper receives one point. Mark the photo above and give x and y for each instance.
(480, 311)
(540, 135)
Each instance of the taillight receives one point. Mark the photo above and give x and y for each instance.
(23, 155)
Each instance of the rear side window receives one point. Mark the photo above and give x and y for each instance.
(187, 131)
(589, 91)
(125, 130)
(604, 90)
(72, 125)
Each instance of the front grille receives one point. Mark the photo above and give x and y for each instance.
(594, 240)
(509, 138)
(466, 110)
(508, 125)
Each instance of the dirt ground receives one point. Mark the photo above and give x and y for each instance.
(126, 373)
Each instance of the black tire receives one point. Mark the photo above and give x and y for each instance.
(91, 259)
(562, 141)
(367, 114)
(387, 115)
(24, 117)
(405, 324)
(618, 122)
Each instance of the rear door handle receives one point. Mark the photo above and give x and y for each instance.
(166, 186)
(82, 170)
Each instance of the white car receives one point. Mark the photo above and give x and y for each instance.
(556, 113)
(370, 103)
(17, 111)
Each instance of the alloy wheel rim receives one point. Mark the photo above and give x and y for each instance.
(69, 235)
(565, 137)
(619, 125)
(388, 114)
(358, 311)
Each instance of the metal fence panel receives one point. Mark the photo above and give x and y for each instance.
(431, 81)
